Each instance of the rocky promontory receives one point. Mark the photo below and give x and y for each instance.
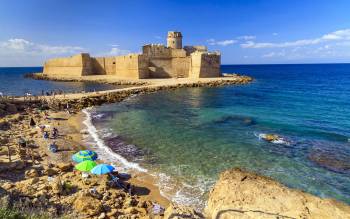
(242, 194)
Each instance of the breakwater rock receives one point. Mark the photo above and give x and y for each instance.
(81, 101)
(241, 194)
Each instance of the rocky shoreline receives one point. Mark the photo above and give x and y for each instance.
(41, 183)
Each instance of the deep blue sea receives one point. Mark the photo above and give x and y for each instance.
(13, 83)
(186, 137)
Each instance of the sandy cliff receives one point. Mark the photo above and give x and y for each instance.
(240, 194)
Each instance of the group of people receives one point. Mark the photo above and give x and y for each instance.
(46, 135)
(51, 93)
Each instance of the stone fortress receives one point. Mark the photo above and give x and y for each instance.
(155, 61)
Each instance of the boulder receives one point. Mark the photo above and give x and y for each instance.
(64, 167)
(113, 212)
(130, 202)
(50, 171)
(87, 205)
(57, 186)
(18, 165)
(181, 212)
(102, 215)
(242, 194)
(7, 186)
(131, 210)
(4, 125)
(271, 137)
(31, 173)
(33, 180)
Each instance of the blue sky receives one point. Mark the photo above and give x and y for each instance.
(246, 32)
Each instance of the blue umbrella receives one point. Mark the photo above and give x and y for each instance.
(84, 155)
(102, 169)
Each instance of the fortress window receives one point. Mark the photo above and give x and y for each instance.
(113, 63)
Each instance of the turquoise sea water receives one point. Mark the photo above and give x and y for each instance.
(188, 136)
(13, 83)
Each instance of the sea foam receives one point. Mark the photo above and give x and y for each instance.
(104, 149)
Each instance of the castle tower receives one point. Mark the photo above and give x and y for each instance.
(174, 40)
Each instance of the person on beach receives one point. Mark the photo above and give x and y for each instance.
(67, 109)
(53, 147)
(22, 142)
(115, 181)
(32, 122)
(46, 135)
(42, 128)
(54, 133)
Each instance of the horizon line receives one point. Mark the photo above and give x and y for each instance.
(321, 63)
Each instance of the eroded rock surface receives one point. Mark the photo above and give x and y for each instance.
(241, 194)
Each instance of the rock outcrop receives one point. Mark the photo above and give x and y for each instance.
(178, 212)
(241, 194)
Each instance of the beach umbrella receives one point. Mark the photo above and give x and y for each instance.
(85, 166)
(84, 155)
(102, 169)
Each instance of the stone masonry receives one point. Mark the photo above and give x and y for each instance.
(155, 61)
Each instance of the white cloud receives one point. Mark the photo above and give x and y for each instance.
(115, 51)
(22, 46)
(274, 34)
(247, 37)
(213, 42)
(22, 52)
(340, 35)
(274, 54)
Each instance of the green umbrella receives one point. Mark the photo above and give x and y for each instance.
(85, 166)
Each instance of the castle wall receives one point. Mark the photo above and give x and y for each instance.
(110, 65)
(132, 66)
(77, 65)
(191, 49)
(165, 62)
(156, 61)
(98, 65)
(205, 65)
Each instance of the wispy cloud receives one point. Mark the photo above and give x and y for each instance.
(22, 52)
(247, 37)
(274, 54)
(340, 35)
(227, 42)
(116, 51)
(213, 42)
(22, 46)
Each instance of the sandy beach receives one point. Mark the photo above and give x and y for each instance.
(70, 140)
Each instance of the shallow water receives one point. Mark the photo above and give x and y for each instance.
(188, 136)
(14, 83)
